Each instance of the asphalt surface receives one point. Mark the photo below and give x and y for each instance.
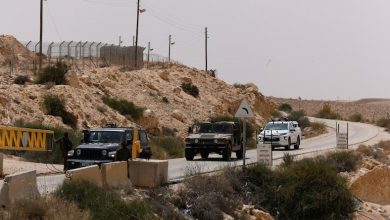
(180, 168)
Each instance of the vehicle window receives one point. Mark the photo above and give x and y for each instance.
(276, 126)
(205, 128)
(143, 137)
(223, 128)
(106, 136)
(129, 136)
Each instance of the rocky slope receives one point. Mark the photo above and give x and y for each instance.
(157, 89)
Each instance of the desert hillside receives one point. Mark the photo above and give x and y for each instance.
(157, 89)
(370, 109)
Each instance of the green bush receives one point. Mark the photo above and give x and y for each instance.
(124, 107)
(55, 106)
(306, 189)
(101, 203)
(54, 156)
(311, 189)
(300, 117)
(173, 146)
(55, 74)
(190, 89)
(250, 127)
(21, 79)
(285, 107)
(356, 117)
(383, 122)
(344, 161)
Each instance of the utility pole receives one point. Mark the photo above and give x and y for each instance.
(133, 40)
(149, 49)
(120, 41)
(40, 36)
(206, 36)
(136, 37)
(169, 51)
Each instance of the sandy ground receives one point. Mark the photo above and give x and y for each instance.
(14, 164)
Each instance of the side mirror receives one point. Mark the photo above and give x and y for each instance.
(189, 130)
(261, 129)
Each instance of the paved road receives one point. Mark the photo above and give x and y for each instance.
(178, 168)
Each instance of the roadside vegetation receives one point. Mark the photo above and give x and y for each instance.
(309, 129)
(327, 112)
(53, 74)
(285, 107)
(383, 122)
(22, 79)
(55, 105)
(102, 204)
(167, 147)
(306, 189)
(356, 117)
(124, 107)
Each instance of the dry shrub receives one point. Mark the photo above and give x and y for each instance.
(385, 145)
(21, 79)
(207, 197)
(364, 150)
(47, 208)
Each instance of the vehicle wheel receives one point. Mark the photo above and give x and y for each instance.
(240, 153)
(227, 153)
(204, 154)
(288, 145)
(189, 154)
(296, 146)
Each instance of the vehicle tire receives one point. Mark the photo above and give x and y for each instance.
(189, 154)
(227, 153)
(204, 154)
(240, 153)
(296, 146)
(288, 145)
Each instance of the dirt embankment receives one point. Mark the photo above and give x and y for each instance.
(370, 109)
(158, 90)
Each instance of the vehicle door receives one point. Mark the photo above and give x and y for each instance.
(293, 132)
(143, 138)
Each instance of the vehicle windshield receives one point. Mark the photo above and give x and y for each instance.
(214, 128)
(276, 126)
(105, 136)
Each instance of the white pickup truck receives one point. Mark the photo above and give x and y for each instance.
(281, 134)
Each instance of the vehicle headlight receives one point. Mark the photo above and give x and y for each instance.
(104, 152)
(223, 141)
(70, 153)
(196, 141)
(112, 154)
(78, 152)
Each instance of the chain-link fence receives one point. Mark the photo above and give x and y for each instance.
(83, 55)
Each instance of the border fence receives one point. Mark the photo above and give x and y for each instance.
(82, 54)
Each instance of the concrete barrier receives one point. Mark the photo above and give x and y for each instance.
(18, 186)
(148, 173)
(90, 173)
(115, 175)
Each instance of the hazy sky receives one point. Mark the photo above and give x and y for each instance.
(316, 49)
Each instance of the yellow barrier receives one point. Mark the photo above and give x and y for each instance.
(25, 139)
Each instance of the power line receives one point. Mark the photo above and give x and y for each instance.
(53, 21)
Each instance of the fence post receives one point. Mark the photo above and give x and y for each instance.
(60, 49)
(35, 58)
(82, 58)
(49, 51)
(97, 53)
(69, 51)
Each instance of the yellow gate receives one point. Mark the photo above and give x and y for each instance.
(25, 139)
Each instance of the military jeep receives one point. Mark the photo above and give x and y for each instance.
(222, 138)
(100, 145)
